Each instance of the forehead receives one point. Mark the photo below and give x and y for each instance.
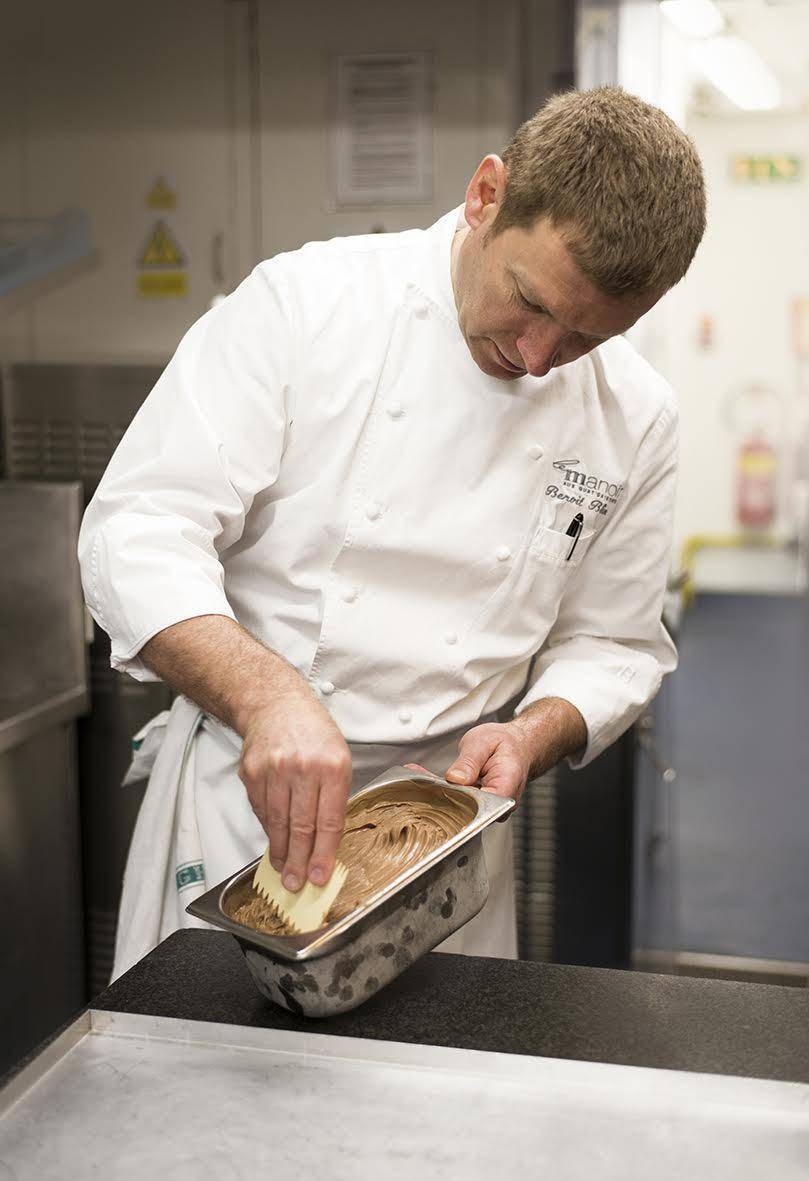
(538, 261)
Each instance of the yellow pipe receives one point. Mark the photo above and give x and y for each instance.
(700, 541)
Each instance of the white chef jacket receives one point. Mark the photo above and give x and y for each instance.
(323, 460)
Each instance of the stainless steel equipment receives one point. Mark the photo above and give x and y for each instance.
(335, 969)
(62, 422)
(42, 663)
(42, 690)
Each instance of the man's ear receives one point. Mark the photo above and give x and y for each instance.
(485, 192)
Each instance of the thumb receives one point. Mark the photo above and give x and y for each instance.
(474, 751)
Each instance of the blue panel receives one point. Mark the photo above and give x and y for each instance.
(738, 730)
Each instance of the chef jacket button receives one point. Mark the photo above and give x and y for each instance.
(373, 512)
(405, 716)
(503, 553)
(422, 311)
(451, 638)
(535, 451)
(395, 410)
(326, 688)
(349, 594)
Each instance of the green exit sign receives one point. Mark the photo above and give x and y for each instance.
(765, 169)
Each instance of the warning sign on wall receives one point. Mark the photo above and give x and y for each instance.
(162, 264)
(766, 169)
(154, 284)
(161, 249)
(161, 195)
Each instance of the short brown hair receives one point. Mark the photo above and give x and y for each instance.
(620, 179)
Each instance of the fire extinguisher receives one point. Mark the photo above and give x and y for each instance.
(756, 483)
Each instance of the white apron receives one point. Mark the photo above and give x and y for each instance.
(196, 827)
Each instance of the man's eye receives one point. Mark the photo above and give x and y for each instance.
(531, 307)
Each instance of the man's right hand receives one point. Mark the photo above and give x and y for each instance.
(295, 763)
(296, 767)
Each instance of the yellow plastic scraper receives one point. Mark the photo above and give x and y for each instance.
(306, 910)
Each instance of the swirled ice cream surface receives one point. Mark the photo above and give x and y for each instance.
(388, 831)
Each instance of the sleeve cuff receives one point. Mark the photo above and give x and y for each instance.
(124, 656)
(608, 701)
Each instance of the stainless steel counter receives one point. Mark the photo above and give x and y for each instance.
(129, 1096)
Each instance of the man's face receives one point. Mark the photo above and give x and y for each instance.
(523, 304)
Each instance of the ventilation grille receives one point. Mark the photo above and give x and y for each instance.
(63, 422)
(57, 449)
(535, 868)
(101, 926)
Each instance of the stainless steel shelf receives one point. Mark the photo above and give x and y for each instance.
(17, 726)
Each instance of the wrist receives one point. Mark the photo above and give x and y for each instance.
(551, 729)
(263, 702)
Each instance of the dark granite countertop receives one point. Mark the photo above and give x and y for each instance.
(513, 1007)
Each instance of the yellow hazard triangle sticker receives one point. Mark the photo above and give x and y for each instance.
(161, 249)
(160, 196)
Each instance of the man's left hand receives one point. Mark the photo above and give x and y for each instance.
(496, 755)
(503, 756)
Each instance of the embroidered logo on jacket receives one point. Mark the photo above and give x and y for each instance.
(577, 484)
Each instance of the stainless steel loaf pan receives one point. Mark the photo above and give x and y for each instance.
(335, 969)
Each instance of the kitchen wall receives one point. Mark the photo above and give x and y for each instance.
(104, 99)
(473, 48)
(726, 339)
(229, 102)
(728, 325)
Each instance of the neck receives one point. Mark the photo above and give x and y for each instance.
(454, 258)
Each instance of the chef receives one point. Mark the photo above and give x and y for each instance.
(403, 498)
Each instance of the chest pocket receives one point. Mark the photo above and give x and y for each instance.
(560, 549)
(524, 607)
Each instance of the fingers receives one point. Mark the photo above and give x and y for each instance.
(296, 767)
(303, 808)
(475, 749)
(268, 790)
(503, 778)
(490, 755)
(331, 811)
(276, 823)
(253, 774)
(504, 772)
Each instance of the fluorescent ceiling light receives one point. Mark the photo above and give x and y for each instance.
(736, 69)
(695, 18)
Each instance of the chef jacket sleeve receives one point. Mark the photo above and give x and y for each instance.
(206, 441)
(608, 651)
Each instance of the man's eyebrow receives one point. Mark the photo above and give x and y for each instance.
(531, 296)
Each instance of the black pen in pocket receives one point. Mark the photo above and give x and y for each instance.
(574, 530)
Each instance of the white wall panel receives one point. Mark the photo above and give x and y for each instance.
(473, 59)
(100, 99)
(111, 97)
(752, 264)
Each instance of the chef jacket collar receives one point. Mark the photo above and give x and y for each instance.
(436, 275)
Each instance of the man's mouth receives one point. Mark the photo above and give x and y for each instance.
(509, 365)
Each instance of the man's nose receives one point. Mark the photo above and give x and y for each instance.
(538, 347)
